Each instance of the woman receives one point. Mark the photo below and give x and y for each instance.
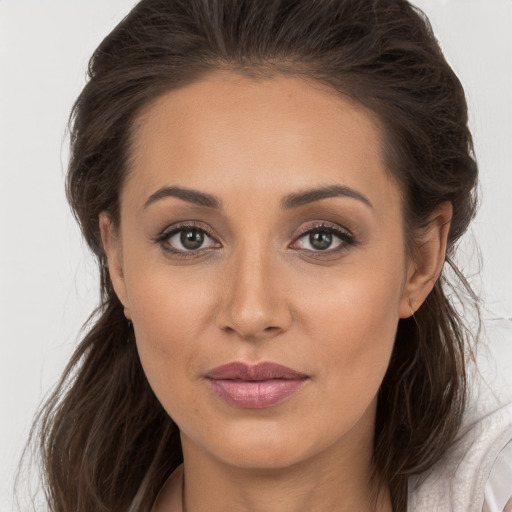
(272, 190)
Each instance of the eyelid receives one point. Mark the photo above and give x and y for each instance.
(173, 229)
(345, 235)
(347, 238)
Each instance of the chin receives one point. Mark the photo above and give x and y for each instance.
(262, 457)
(263, 446)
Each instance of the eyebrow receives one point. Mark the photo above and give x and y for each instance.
(186, 194)
(310, 196)
(291, 201)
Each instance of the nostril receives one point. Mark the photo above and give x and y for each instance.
(252, 334)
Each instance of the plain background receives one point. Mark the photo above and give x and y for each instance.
(47, 278)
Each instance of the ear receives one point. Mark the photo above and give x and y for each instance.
(112, 247)
(424, 268)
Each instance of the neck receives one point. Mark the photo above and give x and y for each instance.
(296, 489)
(171, 499)
(335, 478)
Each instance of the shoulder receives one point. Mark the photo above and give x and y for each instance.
(498, 491)
(476, 473)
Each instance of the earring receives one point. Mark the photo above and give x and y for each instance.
(412, 313)
(128, 317)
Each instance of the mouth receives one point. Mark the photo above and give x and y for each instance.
(255, 386)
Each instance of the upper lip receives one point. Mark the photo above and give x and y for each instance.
(253, 372)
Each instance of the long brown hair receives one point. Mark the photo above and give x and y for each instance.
(106, 442)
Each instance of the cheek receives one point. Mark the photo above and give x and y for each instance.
(169, 311)
(354, 325)
(345, 324)
(165, 298)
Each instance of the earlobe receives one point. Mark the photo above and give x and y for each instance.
(112, 247)
(427, 264)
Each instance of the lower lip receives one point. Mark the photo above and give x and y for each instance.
(255, 394)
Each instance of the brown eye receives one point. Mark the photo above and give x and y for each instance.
(320, 240)
(324, 239)
(192, 239)
(185, 239)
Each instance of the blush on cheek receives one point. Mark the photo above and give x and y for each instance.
(358, 337)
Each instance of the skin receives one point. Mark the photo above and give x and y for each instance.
(258, 290)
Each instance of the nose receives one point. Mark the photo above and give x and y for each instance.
(254, 304)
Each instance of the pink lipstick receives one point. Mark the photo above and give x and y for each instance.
(254, 386)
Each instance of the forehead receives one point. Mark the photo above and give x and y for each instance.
(276, 133)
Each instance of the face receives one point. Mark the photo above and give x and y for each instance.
(260, 225)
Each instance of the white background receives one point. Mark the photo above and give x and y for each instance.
(48, 280)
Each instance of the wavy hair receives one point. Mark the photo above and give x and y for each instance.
(106, 442)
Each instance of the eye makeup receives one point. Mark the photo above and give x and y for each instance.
(192, 239)
(321, 238)
(191, 235)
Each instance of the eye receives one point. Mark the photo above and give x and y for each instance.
(186, 238)
(324, 238)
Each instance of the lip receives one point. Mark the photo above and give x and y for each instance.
(255, 386)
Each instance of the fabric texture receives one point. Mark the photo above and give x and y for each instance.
(476, 473)
(498, 491)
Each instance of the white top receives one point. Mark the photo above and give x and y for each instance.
(476, 473)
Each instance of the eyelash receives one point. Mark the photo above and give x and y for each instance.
(168, 233)
(347, 239)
